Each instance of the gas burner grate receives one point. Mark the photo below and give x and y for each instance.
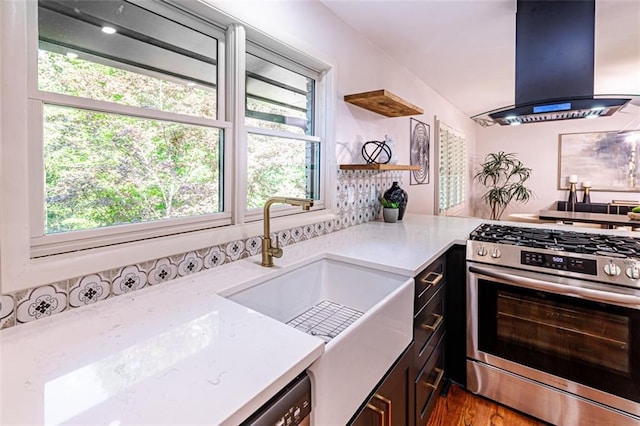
(326, 320)
(559, 240)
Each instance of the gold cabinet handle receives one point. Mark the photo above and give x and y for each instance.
(377, 411)
(431, 279)
(387, 402)
(435, 384)
(433, 327)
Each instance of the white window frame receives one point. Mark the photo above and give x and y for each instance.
(18, 104)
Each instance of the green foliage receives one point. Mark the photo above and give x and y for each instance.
(105, 169)
(275, 167)
(389, 204)
(504, 176)
(76, 77)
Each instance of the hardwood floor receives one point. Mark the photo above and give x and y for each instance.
(462, 408)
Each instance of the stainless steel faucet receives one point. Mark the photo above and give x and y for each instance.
(269, 252)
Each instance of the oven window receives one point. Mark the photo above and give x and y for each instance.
(561, 330)
(586, 342)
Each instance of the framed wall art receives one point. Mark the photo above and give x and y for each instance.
(419, 145)
(608, 160)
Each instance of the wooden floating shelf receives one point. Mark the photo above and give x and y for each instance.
(384, 102)
(377, 167)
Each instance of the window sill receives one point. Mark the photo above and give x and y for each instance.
(71, 265)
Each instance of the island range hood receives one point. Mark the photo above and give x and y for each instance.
(554, 65)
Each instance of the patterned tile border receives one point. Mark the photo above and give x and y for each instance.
(7, 311)
(88, 289)
(356, 203)
(128, 279)
(41, 302)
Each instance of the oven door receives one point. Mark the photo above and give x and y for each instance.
(577, 336)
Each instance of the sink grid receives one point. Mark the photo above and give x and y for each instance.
(325, 320)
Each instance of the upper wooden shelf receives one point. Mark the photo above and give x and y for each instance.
(377, 167)
(384, 102)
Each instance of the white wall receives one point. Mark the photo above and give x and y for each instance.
(312, 28)
(537, 147)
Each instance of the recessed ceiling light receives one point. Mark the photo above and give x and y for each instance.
(515, 123)
(191, 84)
(72, 55)
(108, 30)
(592, 116)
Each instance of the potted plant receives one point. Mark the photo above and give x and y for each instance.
(390, 210)
(504, 176)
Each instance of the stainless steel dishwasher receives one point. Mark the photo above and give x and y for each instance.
(289, 407)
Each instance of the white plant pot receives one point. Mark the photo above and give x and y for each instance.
(390, 215)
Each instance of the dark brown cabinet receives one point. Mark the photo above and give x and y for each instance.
(429, 334)
(391, 402)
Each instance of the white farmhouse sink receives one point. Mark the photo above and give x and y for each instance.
(364, 314)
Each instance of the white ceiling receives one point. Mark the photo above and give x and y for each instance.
(465, 49)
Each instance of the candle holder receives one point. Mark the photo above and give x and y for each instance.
(587, 188)
(571, 201)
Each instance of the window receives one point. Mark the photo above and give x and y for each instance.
(282, 147)
(105, 169)
(130, 128)
(130, 137)
(452, 159)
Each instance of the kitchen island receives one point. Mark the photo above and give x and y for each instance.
(180, 353)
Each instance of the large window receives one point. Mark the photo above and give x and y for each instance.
(129, 131)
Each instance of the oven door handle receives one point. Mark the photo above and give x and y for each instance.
(584, 293)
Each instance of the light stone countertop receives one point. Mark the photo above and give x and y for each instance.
(180, 353)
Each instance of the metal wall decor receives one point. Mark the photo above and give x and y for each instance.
(420, 141)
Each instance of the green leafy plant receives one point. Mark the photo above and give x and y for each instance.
(389, 204)
(504, 176)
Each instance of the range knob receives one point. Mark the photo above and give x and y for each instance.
(612, 269)
(633, 271)
(482, 251)
(495, 253)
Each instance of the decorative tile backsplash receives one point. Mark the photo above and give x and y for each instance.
(7, 311)
(88, 289)
(356, 202)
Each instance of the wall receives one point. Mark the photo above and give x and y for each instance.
(537, 147)
(311, 27)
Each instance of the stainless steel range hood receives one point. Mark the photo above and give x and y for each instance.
(554, 65)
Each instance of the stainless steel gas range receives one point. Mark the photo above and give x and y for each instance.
(554, 323)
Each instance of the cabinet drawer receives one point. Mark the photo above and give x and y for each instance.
(428, 282)
(429, 383)
(429, 326)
